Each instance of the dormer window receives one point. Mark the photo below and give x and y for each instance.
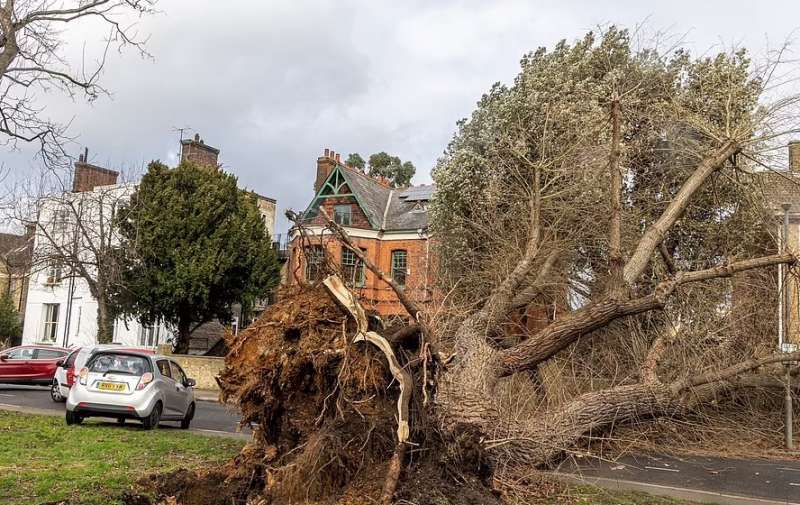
(343, 214)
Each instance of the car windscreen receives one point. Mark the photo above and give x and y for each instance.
(125, 364)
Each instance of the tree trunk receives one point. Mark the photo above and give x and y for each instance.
(105, 323)
(181, 345)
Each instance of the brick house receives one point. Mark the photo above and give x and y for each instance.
(389, 224)
(782, 191)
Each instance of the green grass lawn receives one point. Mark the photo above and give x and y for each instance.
(42, 460)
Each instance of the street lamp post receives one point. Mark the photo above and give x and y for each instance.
(784, 333)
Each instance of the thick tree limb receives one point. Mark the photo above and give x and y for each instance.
(560, 334)
(538, 441)
(649, 369)
(615, 223)
(656, 232)
(527, 296)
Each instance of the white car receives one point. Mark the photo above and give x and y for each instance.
(67, 371)
(125, 384)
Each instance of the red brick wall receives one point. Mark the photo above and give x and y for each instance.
(376, 295)
(358, 218)
(87, 177)
(196, 151)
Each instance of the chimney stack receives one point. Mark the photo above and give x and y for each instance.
(87, 176)
(196, 151)
(794, 155)
(325, 165)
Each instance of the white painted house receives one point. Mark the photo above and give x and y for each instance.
(60, 308)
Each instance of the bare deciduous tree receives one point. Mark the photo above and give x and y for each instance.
(76, 238)
(32, 60)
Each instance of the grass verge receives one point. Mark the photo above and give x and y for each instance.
(44, 461)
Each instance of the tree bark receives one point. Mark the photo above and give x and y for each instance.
(656, 232)
(105, 322)
(560, 334)
(615, 223)
(181, 345)
(538, 441)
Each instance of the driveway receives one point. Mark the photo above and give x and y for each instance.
(210, 417)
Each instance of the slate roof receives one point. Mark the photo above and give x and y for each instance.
(370, 193)
(407, 208)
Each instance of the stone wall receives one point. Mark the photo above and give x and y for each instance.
(203, 369)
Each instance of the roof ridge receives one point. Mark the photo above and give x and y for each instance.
(386, 210)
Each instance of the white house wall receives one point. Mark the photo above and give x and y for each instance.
(80, 328)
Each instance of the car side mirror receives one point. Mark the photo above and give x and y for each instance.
(60, 363)
(3, 357)
(190, 383)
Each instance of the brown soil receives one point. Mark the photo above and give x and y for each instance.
(324, 411)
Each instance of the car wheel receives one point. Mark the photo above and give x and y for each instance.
(152, 420)
(55, 392)
(73, 418)
(187, 419)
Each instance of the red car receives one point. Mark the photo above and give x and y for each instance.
(30, 364)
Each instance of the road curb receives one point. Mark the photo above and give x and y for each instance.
(51, 413)
(696, 495)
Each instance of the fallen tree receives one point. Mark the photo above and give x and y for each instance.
(643, 313)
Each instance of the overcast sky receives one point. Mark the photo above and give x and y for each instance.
(272, 83)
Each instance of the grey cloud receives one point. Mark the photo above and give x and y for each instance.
(272, 83)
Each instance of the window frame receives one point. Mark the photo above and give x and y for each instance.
(175, 367)
(396, 269)
(353, 270)
(32, 350)
(47, 308)
(314, 258)
(169, 367)
(336, 214)
(54, 274)
(37, 354)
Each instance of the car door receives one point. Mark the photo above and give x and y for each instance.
(17, 363)
(44, 363)
(171, 394)
(184, 395)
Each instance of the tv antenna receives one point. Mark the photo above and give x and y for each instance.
(180, 139)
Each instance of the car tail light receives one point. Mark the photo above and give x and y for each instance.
(144, 381)
(83, 375)
(70, 377)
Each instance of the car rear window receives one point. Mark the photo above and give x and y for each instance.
(127, 364)
(71, 358)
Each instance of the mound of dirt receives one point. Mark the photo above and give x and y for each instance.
(324, 413)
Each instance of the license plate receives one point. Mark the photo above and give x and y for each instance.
(112, 386)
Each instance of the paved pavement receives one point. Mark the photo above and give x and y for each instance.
(210, 417)
(713, 480)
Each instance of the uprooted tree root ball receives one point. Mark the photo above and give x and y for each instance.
(324, 413)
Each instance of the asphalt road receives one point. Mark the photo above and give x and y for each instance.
(767, 480)
(210, 417)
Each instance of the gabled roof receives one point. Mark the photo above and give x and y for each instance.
(386, 208)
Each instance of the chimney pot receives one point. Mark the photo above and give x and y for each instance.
(338, 158)
(196, 137)
(327, 152)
